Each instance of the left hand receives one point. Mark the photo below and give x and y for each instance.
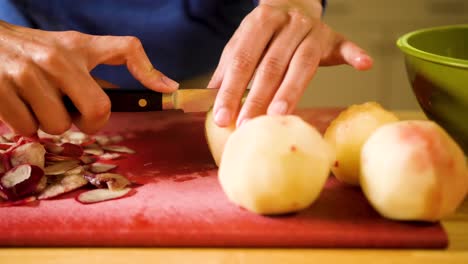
(282, 42)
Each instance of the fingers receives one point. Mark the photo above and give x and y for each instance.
(44, 101)
(114, 50)
(273, 66)
(104, 83)
(322, 46)
(301, 69)
(14, 112)
(243, 60)
(217, 78)
(355, 56)
(38, 69)
(88, 97)
(338, 50)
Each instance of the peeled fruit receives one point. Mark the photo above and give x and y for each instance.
(349, 131)
(275, 165)
(216, 136)
(413, 170)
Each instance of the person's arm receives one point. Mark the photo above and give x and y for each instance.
(278, 46)
(38, 67)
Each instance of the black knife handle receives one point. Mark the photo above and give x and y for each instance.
(126, 100)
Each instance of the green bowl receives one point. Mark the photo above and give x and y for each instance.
(436, 61)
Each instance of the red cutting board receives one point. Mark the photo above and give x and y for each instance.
(180, 203)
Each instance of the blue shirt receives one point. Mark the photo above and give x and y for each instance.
(183, 38)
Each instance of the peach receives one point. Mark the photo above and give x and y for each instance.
(275, 165)
(216, 136)
(413, 170)
(348, 132)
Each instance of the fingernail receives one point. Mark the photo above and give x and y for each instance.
(278, 108)
(169, 82)
(223, 117)
(362, 58)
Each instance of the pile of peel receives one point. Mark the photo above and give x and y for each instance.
(47, 166)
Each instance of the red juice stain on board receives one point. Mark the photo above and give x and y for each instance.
(205, 173)
(178, 149)
(184, 178)
(139, 220)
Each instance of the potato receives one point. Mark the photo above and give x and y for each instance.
(216, 136)
(275, 165)
(413, 170)
(348, 132)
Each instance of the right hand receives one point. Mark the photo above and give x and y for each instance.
(38, 67)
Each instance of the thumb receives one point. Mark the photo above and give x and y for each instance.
(115, 50)
(339, 50)
(353, 55)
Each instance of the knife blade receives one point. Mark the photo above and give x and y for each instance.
(132, 100)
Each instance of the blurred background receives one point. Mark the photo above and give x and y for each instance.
(376, 25)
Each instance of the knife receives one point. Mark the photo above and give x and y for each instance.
(132, 100)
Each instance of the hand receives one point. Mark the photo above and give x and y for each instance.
(39, 67)
(282, 42)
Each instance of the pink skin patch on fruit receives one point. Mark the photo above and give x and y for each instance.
(431, 150)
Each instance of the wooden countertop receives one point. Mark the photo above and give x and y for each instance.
(456, 227)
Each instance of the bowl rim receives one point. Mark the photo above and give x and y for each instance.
(404, 46)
